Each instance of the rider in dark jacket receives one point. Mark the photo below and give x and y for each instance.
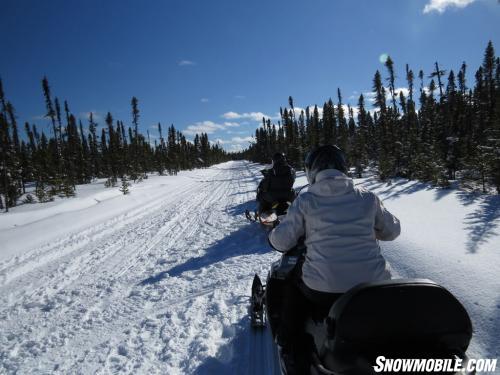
(277, 185)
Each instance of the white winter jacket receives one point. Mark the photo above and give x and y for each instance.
(342, 225)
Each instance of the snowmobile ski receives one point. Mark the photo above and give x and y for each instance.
(257, 303)
(250, 217)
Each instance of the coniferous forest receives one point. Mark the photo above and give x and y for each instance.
(439, 129)
(442, 129)
(75, 153)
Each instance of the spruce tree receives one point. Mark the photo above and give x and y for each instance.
(124, 188)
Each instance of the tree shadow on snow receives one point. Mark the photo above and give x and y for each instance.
(440, 193)
(391, 189)
(483, 222)
(248, 239)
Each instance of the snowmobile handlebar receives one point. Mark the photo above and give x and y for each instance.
(298, 250)
(297, 192)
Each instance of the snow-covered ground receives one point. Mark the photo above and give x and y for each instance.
(158, 281)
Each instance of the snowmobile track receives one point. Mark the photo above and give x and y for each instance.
(159, 289)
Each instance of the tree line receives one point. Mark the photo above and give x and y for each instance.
(74, 153)
(438, 129)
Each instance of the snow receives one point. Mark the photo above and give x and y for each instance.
(158, 281)
(451, 237)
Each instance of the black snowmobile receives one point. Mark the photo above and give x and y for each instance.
(407, 319)
(269, 217)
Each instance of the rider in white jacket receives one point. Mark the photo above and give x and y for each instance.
(341, 225)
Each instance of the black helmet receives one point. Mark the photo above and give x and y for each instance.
(324, 157)
(279, 158)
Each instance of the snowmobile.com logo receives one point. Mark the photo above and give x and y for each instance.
(434, 365)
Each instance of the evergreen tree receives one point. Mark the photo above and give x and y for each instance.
(125, 185)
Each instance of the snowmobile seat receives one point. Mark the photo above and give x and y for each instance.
(412, 318)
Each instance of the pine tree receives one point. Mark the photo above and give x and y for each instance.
(385, 162)
(135, 140)
(125, 185)
(359, 151)
(438, 73)
(389, 64)
(343, 131)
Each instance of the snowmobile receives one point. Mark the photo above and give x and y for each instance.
(269, 217)
(406, 318)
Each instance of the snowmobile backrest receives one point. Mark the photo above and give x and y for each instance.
(398, 316)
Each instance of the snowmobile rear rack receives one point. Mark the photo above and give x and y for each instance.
(269, 217)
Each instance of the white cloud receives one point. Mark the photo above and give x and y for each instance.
(208, 127)
(404, 90)
(370, 95)
(298, 110)
(231, 115)
(242, 139)
(39, 117)
(428, 91)
(441, 5)
(186, 63)
(219, 141)
(236, 147)
(254, 116)
(204, 100)
(86, 115)
(346, 111)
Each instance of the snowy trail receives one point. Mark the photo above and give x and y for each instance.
(158, 282)
(160, 289)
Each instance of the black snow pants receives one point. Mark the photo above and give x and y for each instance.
(300, 302)
(267, 199)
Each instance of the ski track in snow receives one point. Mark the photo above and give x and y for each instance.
(163, 288)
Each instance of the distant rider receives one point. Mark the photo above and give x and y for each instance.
(277, 184)
(341, 225)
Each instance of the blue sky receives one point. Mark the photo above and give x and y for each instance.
(218, 66)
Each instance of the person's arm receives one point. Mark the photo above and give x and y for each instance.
(286, 235)
(264, 184)
(387, 226)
